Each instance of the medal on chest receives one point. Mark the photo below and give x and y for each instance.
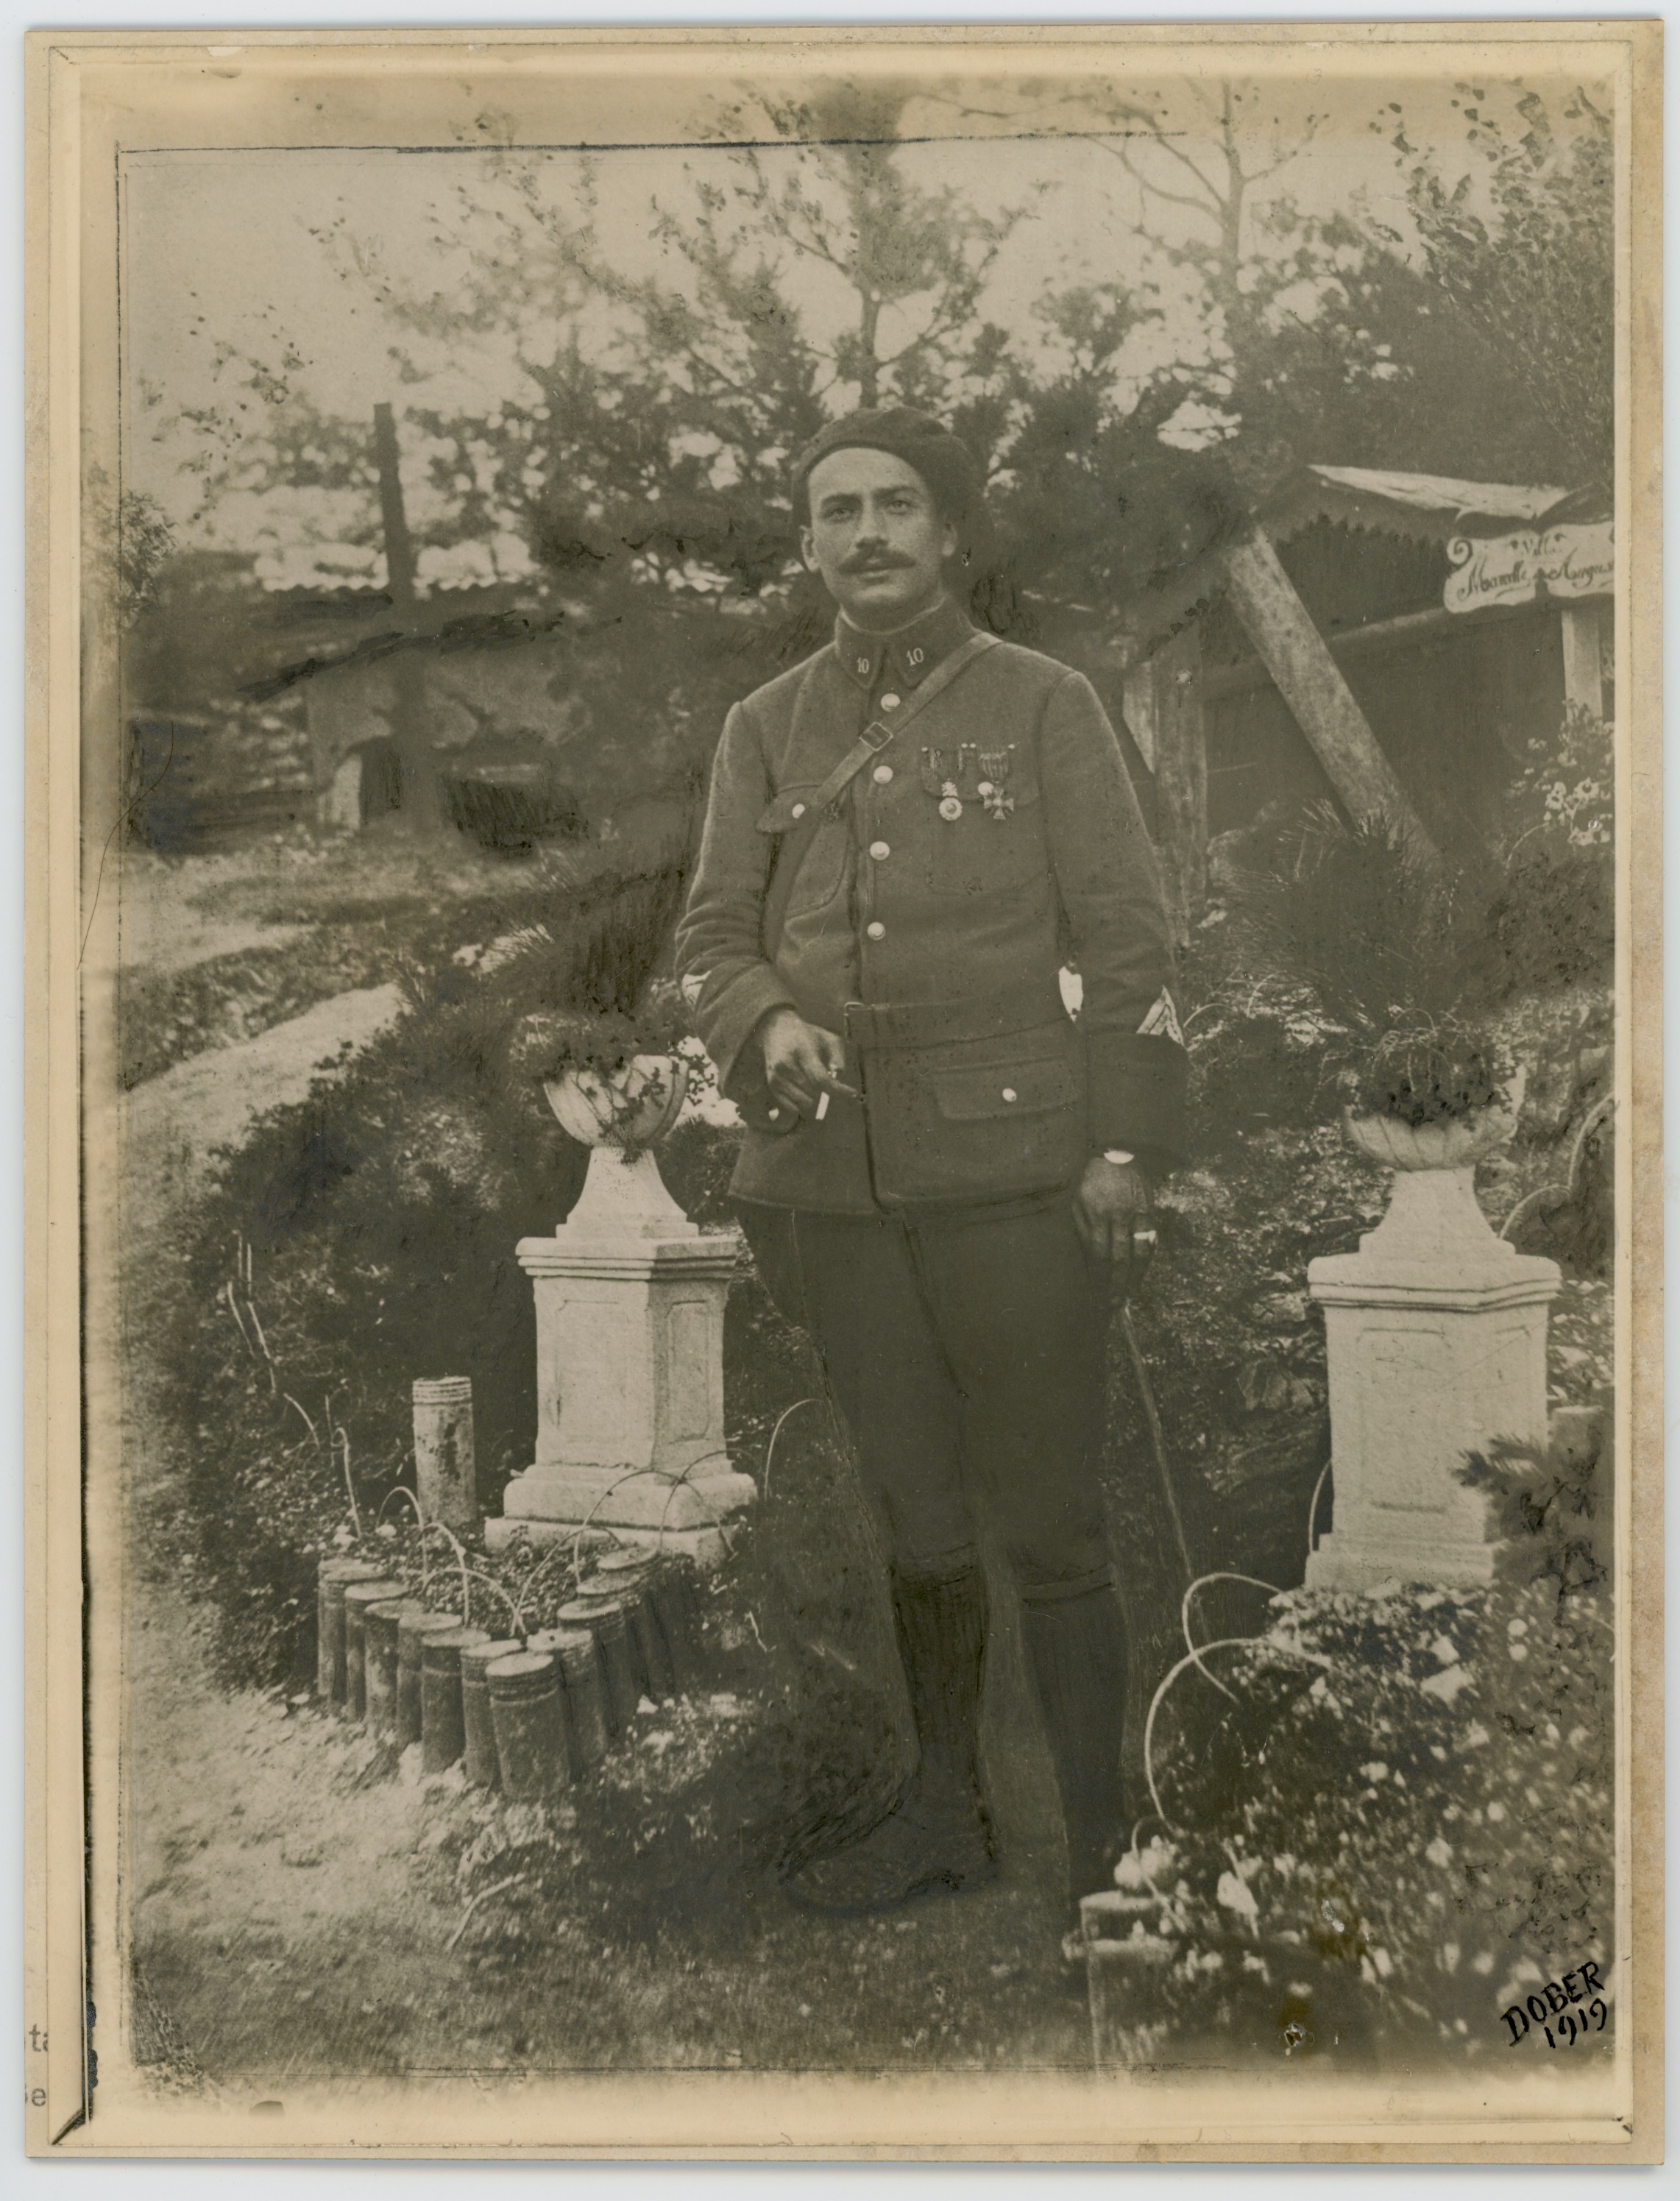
(970, 773)
(996, 765)
(944, 768)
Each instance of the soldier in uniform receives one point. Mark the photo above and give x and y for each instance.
(945, 1175)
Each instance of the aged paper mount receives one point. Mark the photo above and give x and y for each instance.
(101, 103)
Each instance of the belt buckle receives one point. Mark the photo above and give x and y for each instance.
(873, 728)
(858, 1021)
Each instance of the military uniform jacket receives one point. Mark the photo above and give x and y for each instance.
(928, 922)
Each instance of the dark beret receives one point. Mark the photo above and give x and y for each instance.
(944, 462)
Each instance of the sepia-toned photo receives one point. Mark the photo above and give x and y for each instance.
(846, 1113)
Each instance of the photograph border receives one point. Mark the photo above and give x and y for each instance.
(90, 91)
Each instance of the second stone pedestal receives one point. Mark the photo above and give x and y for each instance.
(1435, 1332)
(629, 1308)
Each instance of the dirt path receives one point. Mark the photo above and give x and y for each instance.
(173, 1124)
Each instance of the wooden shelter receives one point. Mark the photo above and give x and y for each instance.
(1391, 639)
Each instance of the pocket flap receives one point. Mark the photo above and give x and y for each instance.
(985, 1090)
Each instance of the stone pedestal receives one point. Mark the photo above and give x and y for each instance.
(1436, 1336)
(629, 1308)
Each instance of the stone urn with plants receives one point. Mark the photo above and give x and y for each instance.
(1435, 1328)
(620, 1106)
(629, 1294)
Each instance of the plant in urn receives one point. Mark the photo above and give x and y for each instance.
(620, 1111)
(629, 1294)
(1435, 1328)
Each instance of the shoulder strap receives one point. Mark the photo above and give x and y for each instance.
(796, 816)
(788, 810)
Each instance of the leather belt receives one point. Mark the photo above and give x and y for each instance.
(872, 1026)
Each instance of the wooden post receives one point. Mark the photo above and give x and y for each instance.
(1583, 658)
(407, 700)
(1310, 681)
(1164, 714)
(1137, 705)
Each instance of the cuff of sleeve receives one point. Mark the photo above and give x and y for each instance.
(727, 1018)
(1138, 1095)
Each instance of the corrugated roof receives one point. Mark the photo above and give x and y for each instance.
(1380, 501)
(1438, 493)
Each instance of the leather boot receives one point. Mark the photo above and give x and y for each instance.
(1076, 1655)
(937, 1835)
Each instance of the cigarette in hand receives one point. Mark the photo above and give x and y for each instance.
(822, 1106)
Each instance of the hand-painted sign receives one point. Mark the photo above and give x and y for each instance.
(1514, 569)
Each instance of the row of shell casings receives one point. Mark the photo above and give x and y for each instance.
(522, 1717)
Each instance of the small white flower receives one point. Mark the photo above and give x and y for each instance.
(1497, 1812)
(1376, 1771)
(1439, 1851)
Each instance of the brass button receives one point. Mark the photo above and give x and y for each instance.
(880, 851)
(1009, 1093)
(799, 809)
(888, 703)
(876, 931)
(883, 774)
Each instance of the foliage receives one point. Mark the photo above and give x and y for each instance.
(1554, 916)
(582, 995)
(145, 544)
(1356, 929)
(1427, 1776)
(1565, 784)
(1552, 1503)
(1531, 287)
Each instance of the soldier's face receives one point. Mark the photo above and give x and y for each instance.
(876, 536)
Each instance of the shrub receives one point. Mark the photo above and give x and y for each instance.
(1417, 1785)
(1386, 955)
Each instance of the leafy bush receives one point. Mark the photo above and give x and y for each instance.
(1386, 956)
(1414, 1787)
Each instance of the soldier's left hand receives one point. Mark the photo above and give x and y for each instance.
(1111, 1206)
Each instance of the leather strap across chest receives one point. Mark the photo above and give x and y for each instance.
(787, 810)
(797, 815)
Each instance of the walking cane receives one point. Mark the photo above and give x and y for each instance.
(1143, 1247)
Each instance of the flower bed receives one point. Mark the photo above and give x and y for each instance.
(1385, 1821)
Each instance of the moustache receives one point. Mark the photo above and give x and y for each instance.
(888, 563)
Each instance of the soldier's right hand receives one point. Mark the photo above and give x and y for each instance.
(802, 1061)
